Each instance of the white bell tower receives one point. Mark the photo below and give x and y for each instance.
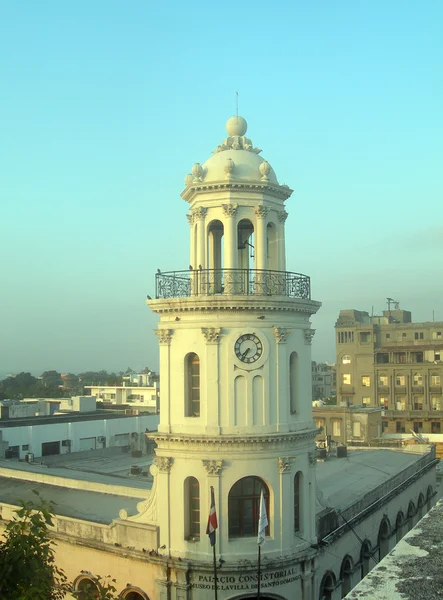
(235, 371)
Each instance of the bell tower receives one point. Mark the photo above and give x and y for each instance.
(235, 369)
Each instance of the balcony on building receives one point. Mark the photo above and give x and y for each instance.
(233, 282)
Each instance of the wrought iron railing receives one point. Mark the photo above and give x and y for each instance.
(248, 282)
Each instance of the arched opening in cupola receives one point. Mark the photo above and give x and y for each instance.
(215, 260)
(246, 247)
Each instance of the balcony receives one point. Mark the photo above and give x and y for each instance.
(238, 282)
(347, 389)
(383, 389)
(400, 389)
(418, 389)
(435, 389)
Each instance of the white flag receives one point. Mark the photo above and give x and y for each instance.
(262, 521)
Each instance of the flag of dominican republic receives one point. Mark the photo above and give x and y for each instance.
(212, 520)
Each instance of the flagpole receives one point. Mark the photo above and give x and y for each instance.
(215, 572)
(259, 572)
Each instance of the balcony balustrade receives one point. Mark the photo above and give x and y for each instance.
(435, 389)
(237, 282)
(383, 389)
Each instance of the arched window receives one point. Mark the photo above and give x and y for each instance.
(192, 385)
(346, 575)
(411, 515)
(246, 250)
(215, 257)
(297, 500)
(133, 593)
(192, 508)
(365, 557)
(429, 494)
(244, 506)
(86, 586)
(327, 586)
(417, 379)
(420, 505)
(383, 538)
(346, 359)
(293, 382)
(399, 523)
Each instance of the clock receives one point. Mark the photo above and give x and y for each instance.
(248, 348)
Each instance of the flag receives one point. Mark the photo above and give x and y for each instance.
(262, 521)
(212, 520)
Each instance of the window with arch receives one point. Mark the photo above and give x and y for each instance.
(192, 385)
(399, 524)
(346, 359)
(365, 557)
(346, 575)
(327, 586)
(245, 244)
(192, 508)
(293, 377)
(420, 505)
(417, 379)
(383, 538)
(244, 506)
(429, 494)
(133, 594)
(297, 500)
(411, 515)
(86, 586)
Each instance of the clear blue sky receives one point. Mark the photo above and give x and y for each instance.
(106, 105)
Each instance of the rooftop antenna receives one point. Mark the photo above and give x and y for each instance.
(236, 104)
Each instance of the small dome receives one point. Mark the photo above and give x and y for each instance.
(246, 167)
(236, 126)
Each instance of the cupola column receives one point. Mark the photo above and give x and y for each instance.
(230, 249)
(261, 242)
(200, 214)
(282, 216)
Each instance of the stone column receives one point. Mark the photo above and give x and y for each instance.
(261, 242)
(283, 379)
(211, 403)
(286, 531)
(230, 247)
(282, 216)
(164, 339)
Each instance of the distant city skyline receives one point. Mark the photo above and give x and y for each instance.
(106, 107)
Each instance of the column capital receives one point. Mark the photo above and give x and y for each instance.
(229, 210)
(261, 211)
(164, 335)
(213, 467)
(282, 215)
(211, 334)
(199, 213)
(281, 334)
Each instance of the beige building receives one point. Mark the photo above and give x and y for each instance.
(390, 362)
(353, 425)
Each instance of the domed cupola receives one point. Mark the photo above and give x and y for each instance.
(234, 162)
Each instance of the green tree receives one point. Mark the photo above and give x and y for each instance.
(27, 558)
(28, 570)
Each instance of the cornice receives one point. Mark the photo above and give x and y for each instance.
(282, 192)
(236, 304)
(276, 441)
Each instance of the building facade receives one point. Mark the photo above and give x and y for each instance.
(323, 380)
(391, 362)
(354, 425)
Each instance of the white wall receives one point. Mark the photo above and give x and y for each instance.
(34, 435)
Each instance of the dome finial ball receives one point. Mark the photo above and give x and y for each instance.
(236, 126)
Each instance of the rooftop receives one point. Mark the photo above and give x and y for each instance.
(412, 569)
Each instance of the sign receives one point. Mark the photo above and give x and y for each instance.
(246, 581)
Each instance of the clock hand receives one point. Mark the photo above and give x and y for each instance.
(245, 352)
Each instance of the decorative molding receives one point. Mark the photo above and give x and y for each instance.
(278, 191)
(229, 167)
(233, 443)
(261, 211)
(197, 172)
(229, 210)
(265, 169)
(212, 334)
(309, 334)
(284, 463)
(213, 467)
(237, 142)
(199, 213)
(281, 334)
(164, 463)
(312, 459)
(190, 219)
(146, 509)
(164, 335)
(282, 215)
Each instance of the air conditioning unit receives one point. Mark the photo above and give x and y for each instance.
(101, 439)
(67, 443)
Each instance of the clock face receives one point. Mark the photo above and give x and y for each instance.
(248, 348)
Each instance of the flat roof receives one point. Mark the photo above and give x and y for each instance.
(98, 415)
(344, 481)
(79, 504)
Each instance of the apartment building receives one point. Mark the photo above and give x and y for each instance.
(391, 362)
(323, 380)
